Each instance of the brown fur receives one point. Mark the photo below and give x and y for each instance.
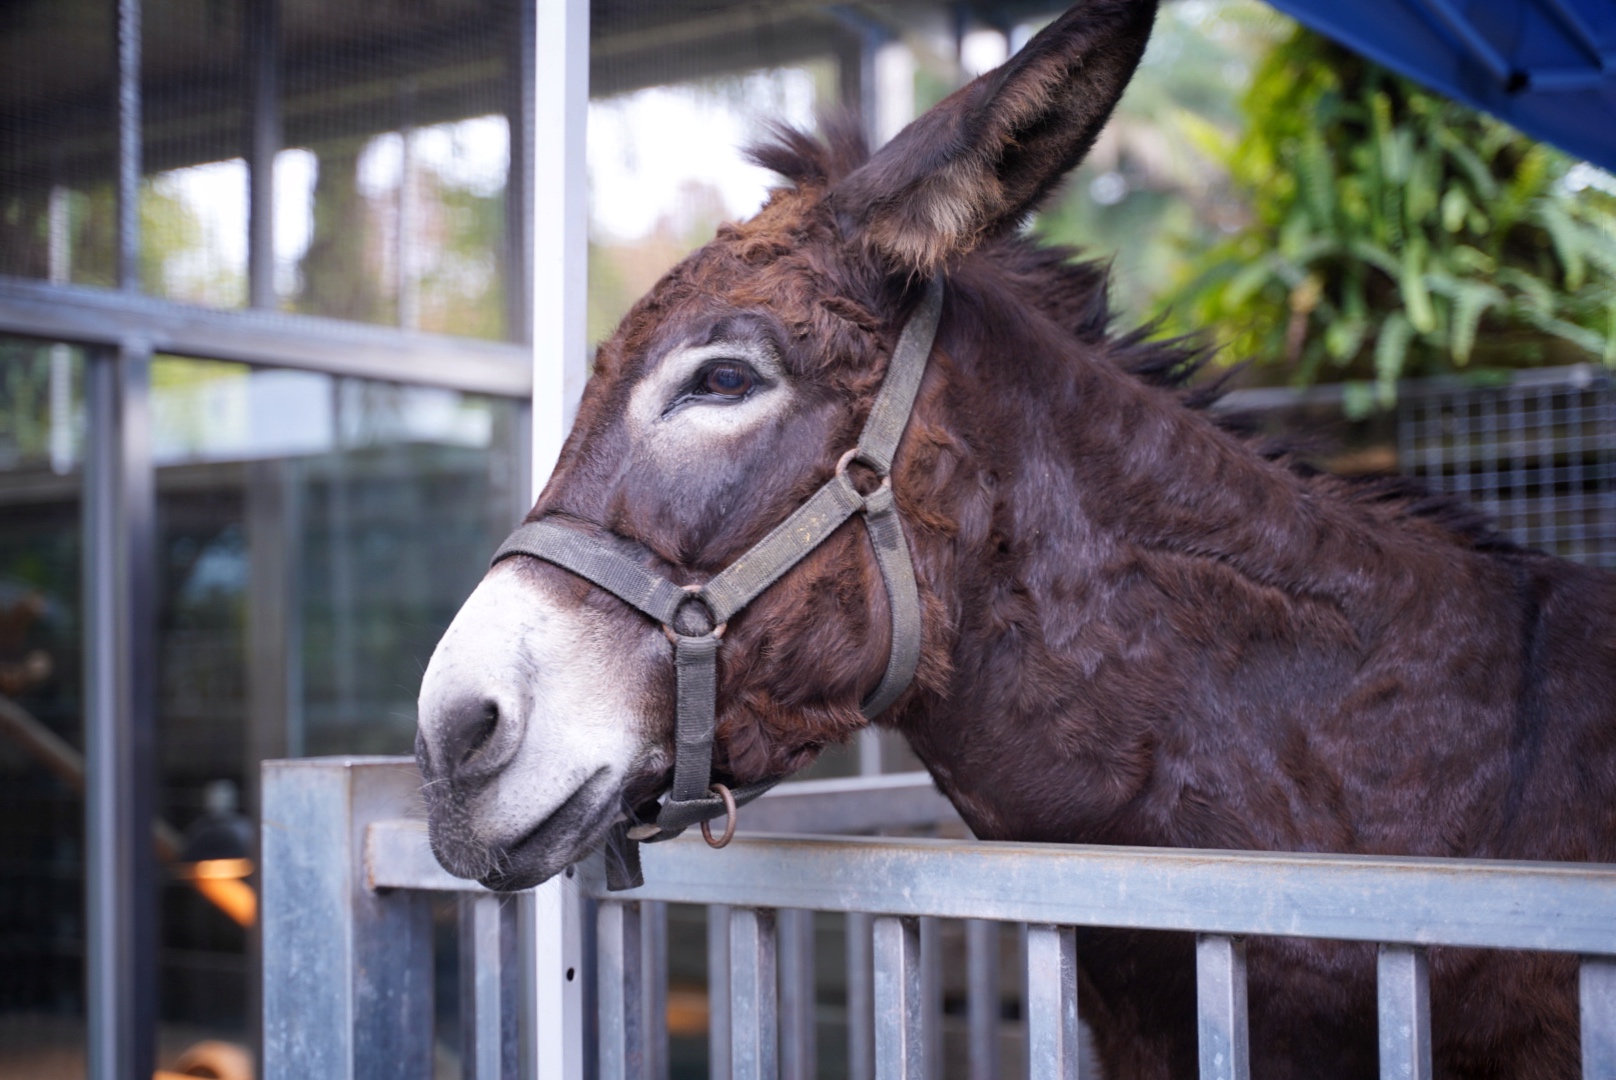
(1140, 628)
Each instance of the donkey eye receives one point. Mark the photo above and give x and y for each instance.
(727, 378)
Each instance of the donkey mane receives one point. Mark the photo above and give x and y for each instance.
(1074, 293)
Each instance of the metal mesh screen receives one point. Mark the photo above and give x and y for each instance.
(56, 141)
(1539, 456)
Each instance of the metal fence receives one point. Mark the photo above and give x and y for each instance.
(1537, 455)
(348, 944)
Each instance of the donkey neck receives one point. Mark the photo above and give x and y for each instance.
(1122, 577)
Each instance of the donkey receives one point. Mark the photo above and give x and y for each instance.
(1136, 626)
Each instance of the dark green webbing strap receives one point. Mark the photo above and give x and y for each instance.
(769, 559)
(691, 800)
(695, 664)
(878, 443)
(903, 600)
(587, 557)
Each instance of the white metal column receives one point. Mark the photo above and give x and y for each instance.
(551, 935)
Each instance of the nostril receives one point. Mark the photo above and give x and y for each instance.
(480, 727)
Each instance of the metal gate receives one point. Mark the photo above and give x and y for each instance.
(348, 950)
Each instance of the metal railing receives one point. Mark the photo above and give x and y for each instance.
(347, 943)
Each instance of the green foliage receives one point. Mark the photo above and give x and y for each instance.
(1398, 233)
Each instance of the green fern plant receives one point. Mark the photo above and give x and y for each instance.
(1398, 233)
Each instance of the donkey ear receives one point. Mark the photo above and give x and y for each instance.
(980, 161)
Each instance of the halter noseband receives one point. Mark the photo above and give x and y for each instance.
(707, 609)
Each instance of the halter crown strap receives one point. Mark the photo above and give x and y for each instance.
(691, 801)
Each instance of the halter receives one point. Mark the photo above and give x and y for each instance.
(694, 617)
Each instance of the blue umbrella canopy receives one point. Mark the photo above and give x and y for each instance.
(1546, 66)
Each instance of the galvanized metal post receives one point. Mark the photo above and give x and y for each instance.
(654, 986)
(560, 223)
(797, 1051)
(347, 969)
(860, 998)
(622, 1003)
(931, 994)
(900, 1051)
(754, 1004)
(1220, 991)
(1404, 995)
(550, 950)
(1598, 992)
(552, 936)
(982, 997)
(718, 993)
(488, 987)
(1053, 1036)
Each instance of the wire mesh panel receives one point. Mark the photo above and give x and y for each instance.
(1538, 456)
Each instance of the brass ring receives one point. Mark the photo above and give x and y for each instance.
(729, 820)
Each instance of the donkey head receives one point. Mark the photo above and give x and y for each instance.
(724, 399)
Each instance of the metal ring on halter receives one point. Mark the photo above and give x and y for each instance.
(729, 821)
(672, 633)
(856, 454)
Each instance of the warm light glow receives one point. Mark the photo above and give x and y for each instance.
(220, 883)
(218, 869)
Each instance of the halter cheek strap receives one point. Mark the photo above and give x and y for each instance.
(694, 618)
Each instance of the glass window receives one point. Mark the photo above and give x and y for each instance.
(41, 718)
(193, 197)
(390, 202)
(315, 537)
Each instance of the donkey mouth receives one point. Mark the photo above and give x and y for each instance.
(563, 837)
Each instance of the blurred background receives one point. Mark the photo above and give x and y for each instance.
(1423, 283)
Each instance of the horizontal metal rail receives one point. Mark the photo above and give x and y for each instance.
(1562, 907)
(334, 822)
(84, 315)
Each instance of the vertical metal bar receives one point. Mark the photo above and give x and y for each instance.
(860, 997)
(931, 994)
(622, 994)
(982, 997)
(1023, 988)
(654, 986)
(1220, 1007)
(406, 261)
(127, 242)
(869, 751)
(519, 177)
(754, 1005)
(263, 49)
(718, 973)
(1053, 1044)
(1404, 992)
(119, 631)
(560, 223)
(121, 922)
(900, 1052)
(1597, 986)
(481, 988)
(551, 953)
(798, 1059)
